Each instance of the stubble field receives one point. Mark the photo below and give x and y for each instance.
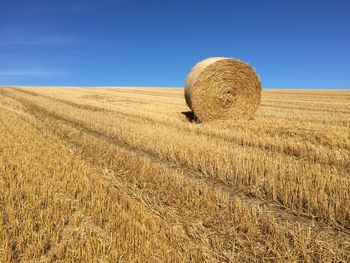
(125, 175)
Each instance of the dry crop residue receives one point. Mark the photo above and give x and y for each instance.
(130, 179)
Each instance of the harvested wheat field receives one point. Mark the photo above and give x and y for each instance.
(125, 175)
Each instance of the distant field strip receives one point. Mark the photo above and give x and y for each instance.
(124, 175)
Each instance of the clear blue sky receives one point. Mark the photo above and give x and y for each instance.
(292, 44)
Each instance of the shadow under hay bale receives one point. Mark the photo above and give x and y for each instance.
(189, 116)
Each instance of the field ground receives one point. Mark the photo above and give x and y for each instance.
(124, 175)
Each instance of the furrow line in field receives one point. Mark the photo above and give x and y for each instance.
(298, 117)
(81, 106)
(112, 94)
(301, 131)
(109, 95)
(143, 92)
(304, 108)
(310, 102)
(313, 94)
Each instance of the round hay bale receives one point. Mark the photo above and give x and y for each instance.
(222, 88)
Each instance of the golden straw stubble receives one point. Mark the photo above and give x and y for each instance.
(223, 88)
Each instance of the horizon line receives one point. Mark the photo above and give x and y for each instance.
(175, 87)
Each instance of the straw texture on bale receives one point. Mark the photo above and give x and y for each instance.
(222, 88)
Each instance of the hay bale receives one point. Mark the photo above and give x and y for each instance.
(222, 88)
